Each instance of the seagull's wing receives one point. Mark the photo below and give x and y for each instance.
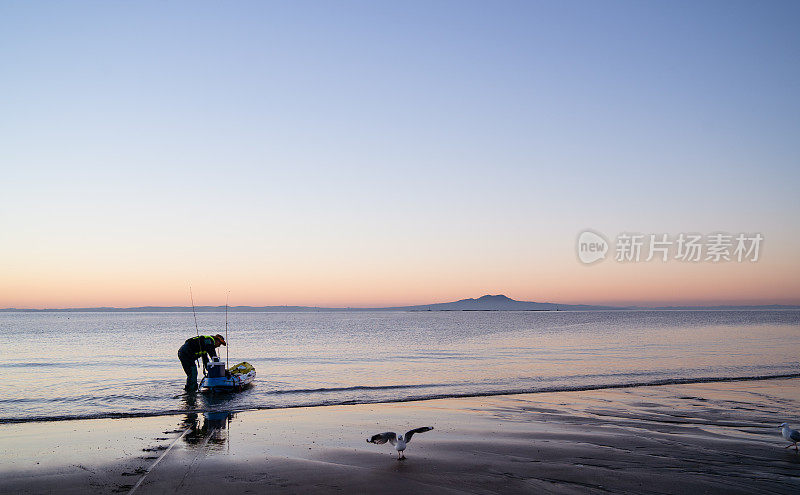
(380, 438)
(410, 433)
(794, 435)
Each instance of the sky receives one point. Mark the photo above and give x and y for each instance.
(386, 153)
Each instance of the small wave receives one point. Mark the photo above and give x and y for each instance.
(97, 363)
(356, 388)
(82, 399)
(409, 398)
(34, 365)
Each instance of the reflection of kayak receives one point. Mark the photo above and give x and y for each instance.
(236, 377)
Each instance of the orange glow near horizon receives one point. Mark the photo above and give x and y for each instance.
(608, 283)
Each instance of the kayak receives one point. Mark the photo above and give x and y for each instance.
(234, 378)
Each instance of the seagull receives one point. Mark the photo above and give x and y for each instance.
(399, 442)
(790, 435)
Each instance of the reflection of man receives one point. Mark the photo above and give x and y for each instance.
(212, 430)
(201, 346)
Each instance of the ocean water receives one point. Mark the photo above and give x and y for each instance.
(65, 365)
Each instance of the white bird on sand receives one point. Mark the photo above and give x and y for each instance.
(790, 435)
(399, 442)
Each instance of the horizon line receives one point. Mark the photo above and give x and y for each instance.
(420, 307)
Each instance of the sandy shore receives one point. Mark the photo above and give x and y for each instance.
(709, 438)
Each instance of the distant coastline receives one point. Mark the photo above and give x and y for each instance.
(484, 303)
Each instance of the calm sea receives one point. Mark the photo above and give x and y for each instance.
(77, 365)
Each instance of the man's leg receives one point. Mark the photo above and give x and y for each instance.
(190, 368)
(191, 379)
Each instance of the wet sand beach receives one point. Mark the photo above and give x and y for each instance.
(691, 438)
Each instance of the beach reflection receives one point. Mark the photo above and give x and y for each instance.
(189, 400)
(208, 430)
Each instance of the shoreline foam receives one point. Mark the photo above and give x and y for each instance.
(435, 396)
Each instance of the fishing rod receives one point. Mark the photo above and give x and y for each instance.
(193, 313)
(227, 344)
(197, 360)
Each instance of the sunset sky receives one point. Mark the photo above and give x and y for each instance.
(368, 154)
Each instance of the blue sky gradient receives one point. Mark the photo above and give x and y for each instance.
(294, 143)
